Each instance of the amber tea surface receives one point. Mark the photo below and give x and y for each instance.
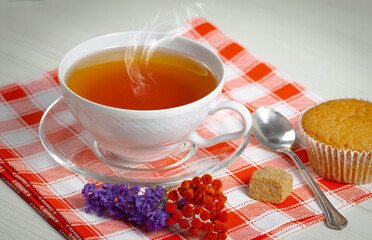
(160, 80)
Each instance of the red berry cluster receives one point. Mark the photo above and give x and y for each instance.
(201, 209)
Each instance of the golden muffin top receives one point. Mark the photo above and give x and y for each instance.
(343, 123)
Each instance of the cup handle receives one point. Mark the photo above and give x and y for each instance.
(239, 108)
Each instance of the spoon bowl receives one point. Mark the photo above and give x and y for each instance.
(275, 132)
(272, 130)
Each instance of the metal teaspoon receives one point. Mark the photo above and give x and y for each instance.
(275, 132)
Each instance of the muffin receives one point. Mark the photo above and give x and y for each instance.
(338, 135)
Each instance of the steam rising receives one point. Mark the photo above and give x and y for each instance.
(174, 21)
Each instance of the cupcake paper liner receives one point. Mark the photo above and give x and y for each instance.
(337, 164)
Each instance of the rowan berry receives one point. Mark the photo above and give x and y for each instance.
(210, 206)
(218, 194)
(217, 184)
(194, 231)
(196, 181)
(210, 236)
(173, 195)
(222, 199)
(203, 188)
(170, 207)
(185, 184)
(201, 207)
(171, 221)
(198, 210)
(213, 215)
(217, 227)
(184, 224)
(221, 236)
(210, 192)
(220, 206)
(196, 223)
(207, 199)
(206, 179)
(207, 227)
(190, 201)
(222, 216)
(198, 195)
(187, 211)
(224, 228)
(177, 214)
(189, 193)
(205, 215)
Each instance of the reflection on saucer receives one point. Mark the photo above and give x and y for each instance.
(176, 158)
(74, 148)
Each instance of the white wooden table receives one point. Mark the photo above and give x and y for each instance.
(326, 45)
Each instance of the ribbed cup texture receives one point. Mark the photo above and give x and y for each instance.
(339, 164)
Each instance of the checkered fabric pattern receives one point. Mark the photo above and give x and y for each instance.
(54, 191)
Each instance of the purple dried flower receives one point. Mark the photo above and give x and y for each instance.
(149, 201)
(95, 199)
(144, 205)
(88, 188)
(158, 219)
(135, 189)
(124, 202)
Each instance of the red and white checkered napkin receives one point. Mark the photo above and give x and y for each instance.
(55, 192)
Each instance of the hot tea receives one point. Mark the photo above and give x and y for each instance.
(181, 77)
(144, 80)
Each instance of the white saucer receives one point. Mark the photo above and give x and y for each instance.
(75, 149)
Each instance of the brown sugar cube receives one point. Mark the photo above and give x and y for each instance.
(271, 185)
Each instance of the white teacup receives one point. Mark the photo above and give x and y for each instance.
(144, 136)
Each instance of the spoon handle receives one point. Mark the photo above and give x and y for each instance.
(334, 219)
